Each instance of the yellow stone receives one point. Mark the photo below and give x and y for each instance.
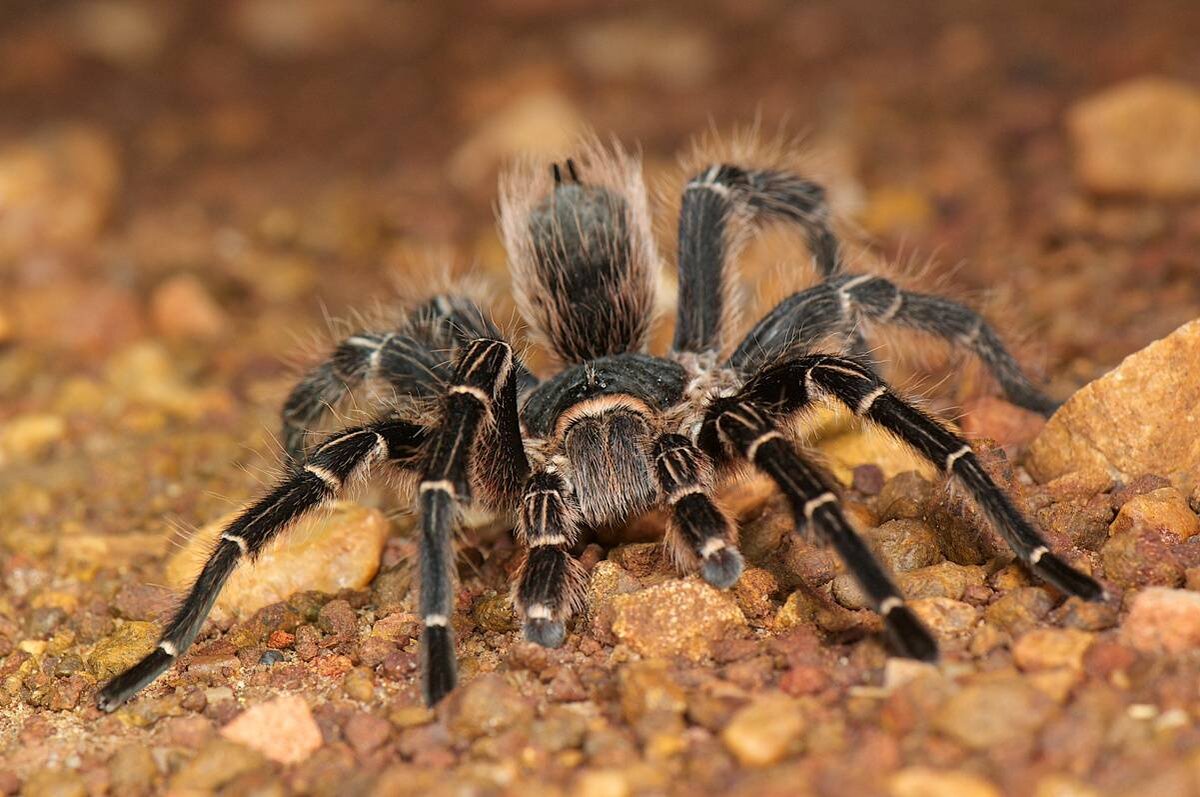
(325, 552)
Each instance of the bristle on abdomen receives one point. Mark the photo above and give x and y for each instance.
(582, 256)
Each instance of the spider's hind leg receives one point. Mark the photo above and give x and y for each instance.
(719, 205)
(414, 361)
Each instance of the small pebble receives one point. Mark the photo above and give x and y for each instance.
(366, 733)
(646, 687)
(681, 617)
(985, 715)
(765, 731)
(484, 707)
(359, 684)
(1163, 621)
(928, 782)
(1163, 510)
(1051, 648)
(54, 783)
(282, 729)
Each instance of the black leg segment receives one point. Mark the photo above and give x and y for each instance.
(791, 385)
(745, 431)
(332, 466)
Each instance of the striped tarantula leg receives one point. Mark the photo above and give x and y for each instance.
(550, 584)
(742, 428)
(483, 370)
(868, 397)
(407, 364)
(699, 533)
(879, 300)
(716, 206)
(334, 464)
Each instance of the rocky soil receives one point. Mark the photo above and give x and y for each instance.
(190, 191)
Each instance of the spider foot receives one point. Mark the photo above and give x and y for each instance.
(722, 568)
(546, 632)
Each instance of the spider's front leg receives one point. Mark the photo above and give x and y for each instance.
(792, 384)
(737, 427)
(333, 466)
(699, 533)
(550, 583)
(481, 396)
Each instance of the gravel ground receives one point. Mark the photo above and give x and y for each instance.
(190, 191)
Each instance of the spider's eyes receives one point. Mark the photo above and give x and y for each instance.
(572, 174)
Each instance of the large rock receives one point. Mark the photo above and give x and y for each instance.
(1140, 137)
(326, 552)
(1139, 418)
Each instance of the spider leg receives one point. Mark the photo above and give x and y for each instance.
(717, 206)
(736, 425)
(484, 377)
(792, 384)
(834, 307)
(699, 533)
(333, 465)
(550, 583)
(414, 360)
(407, 364)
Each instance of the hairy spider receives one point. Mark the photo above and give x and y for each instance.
(617, 430)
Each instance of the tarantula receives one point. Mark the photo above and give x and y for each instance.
(618, 430)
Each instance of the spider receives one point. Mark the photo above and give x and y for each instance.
(617, 430)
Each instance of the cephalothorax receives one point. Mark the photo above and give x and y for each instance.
(618, 430)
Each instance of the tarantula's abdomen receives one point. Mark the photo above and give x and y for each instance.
(582, 255)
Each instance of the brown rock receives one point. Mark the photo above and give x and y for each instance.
(992, 713)
(928, 782)
(646, 687)
(325, 552)
(132, 770)
(366, 733)
(1019, 610)
(995, 418)
(765, 731)
(1141, 557)
(944, 580)
(905, 544)
(1127, 422)
(54, 783)
(1050, 648)
(1138, 137)
(1163, 510)
(904, 496)
(1163, 621)
(753, 592)
(681, 617)
(59, 190)
(217, 763)
(181, 307)
(282, 729)
(945, 617)
(486, 706)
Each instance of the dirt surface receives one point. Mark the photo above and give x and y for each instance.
(190, 191)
